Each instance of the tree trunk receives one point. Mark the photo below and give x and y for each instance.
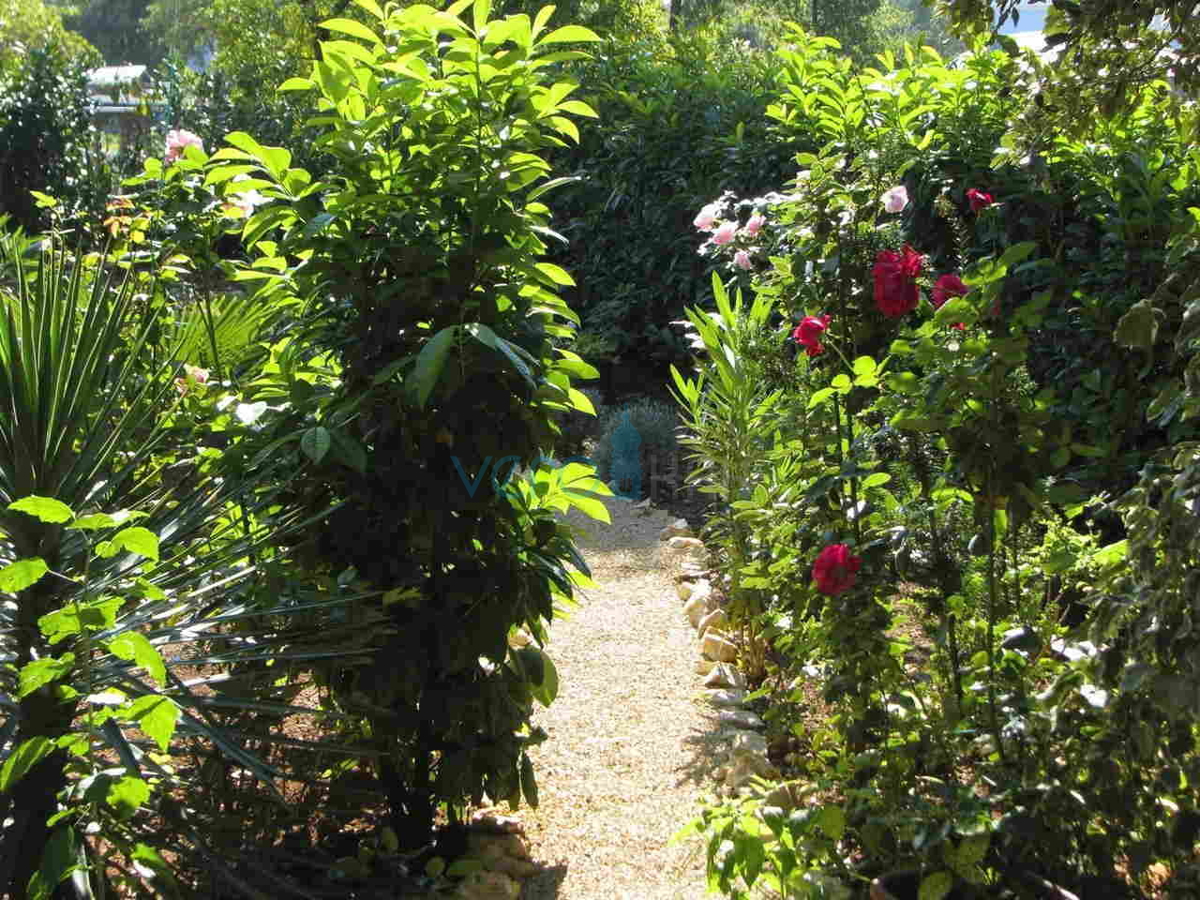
(34, 799)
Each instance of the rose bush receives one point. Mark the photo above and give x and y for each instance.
(973, 733)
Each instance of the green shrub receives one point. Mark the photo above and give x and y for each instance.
(47, 142)
(936, 440)
(681, 120)
(425, 278)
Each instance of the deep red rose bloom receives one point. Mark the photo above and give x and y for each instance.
(895, 281)
(978, 199)
(835, 569)
(948, 286)
(808, 333)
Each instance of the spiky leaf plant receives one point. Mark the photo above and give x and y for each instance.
(92, 601)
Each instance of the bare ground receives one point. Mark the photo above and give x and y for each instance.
(625, 762)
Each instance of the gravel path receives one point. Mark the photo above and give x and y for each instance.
(624, 765)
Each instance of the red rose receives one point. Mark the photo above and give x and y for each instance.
(808, 333)
(948, 286)
(835, 569)
(978, 199)
(895, 281)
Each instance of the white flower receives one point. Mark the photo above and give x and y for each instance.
(895, 199)
(246, 201)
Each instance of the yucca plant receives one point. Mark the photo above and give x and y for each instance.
(89, 707)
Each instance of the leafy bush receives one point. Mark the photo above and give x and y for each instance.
(47, 142)
(913, 498)
(424, 277)
(116, 532)
(680, 121)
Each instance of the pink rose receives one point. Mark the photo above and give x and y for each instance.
(707, 218)
(741, 259)
(725, 234)
(177, 140)
(191, 375)
(755, 224)
(895, 199)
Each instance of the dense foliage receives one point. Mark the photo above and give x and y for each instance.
(47, 142)
(275, 426)
(907, 515)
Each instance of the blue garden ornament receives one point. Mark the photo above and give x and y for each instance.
(626, 459)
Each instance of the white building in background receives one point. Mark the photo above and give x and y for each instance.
(123, 108)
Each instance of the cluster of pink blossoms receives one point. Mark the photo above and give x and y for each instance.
(178, 140)
(727, 231)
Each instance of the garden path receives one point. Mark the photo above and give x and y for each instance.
(624, 765)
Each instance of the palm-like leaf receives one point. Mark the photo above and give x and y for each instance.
(85, 401)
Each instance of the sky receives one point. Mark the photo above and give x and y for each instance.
(1033, 16)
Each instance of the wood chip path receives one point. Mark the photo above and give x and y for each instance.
(625, 763)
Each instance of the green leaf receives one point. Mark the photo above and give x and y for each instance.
(528, 782)
(832, 821)
(348, 451)
(41, 672)
(545, 691)
(21, 574)
(935, 886)
(821, 396)
(579, 400)
(141, 541)
(126, 795)
(430, 362)
(481, 11)
(27, 755)
(972, 850)
(133, 645)
(59, 859)
(569, 34)
(372, 7)
(296, 84)
(1138, 327)
(157, 716)
(352, 28)
(315, 443)
(96, 615)
(557, 274)
(47, 509)
(865, 365)
(589, 506)
(875, 479)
